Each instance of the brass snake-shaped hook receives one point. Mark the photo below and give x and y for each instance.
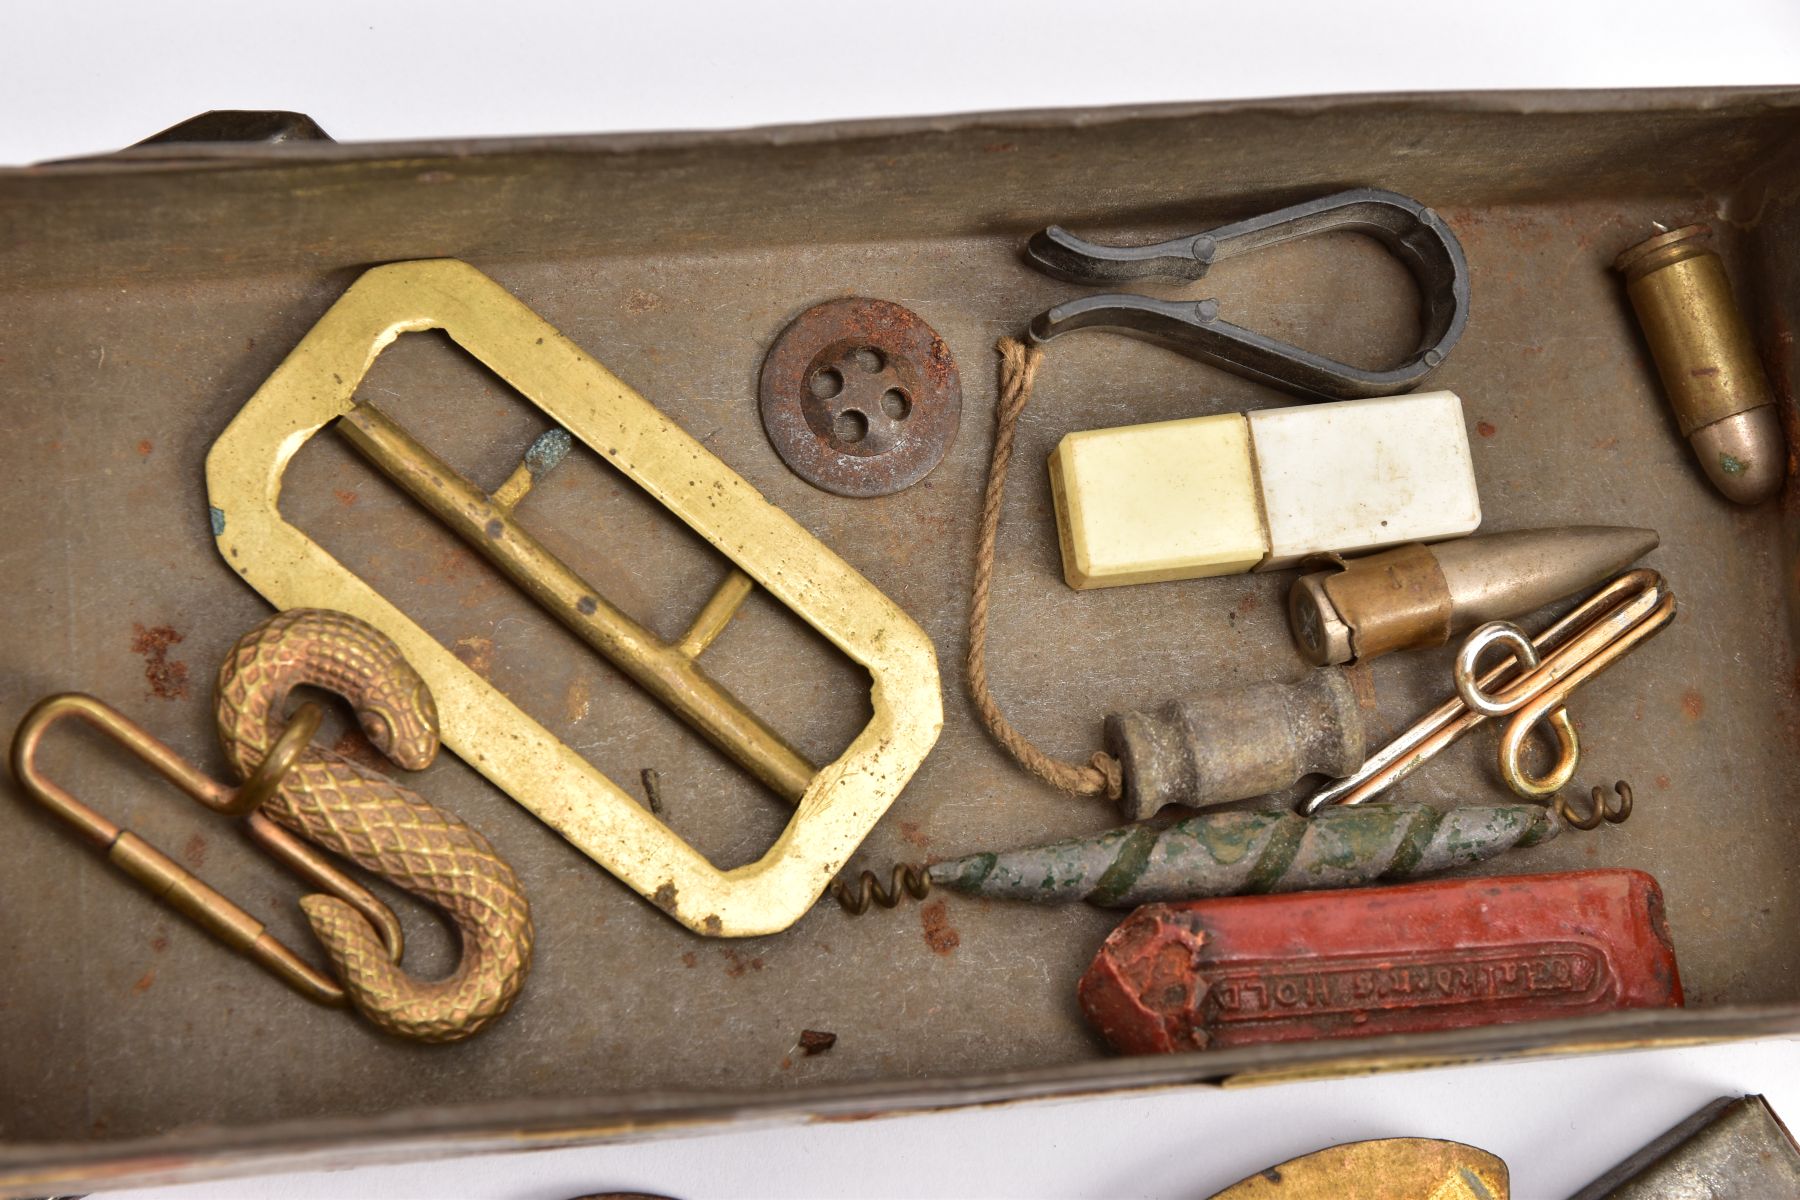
(293, 790)
(384, 828)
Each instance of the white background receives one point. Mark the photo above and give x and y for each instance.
(86, 77)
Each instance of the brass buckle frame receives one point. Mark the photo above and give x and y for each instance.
(315, 385)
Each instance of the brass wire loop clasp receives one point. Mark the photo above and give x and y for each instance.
(167, 880)
(1529, 686)
(1512, 742)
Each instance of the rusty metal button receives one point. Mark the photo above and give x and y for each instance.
(860, 397)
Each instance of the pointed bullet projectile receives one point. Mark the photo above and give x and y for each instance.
(1417, 596)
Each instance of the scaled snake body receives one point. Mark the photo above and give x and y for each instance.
(374, 822)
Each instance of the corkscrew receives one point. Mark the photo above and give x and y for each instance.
(1601, 812)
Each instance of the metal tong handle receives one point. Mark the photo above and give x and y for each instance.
(1414, 233)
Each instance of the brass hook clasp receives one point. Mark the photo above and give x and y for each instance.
(1530, 708)
(1531, 685)
(1623, 614)
(167, 880)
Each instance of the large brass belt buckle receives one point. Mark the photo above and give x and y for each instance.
(838, 803)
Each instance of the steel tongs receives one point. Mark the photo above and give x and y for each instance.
(1412, 232)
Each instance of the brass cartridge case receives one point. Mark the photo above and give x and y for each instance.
(1709, 366)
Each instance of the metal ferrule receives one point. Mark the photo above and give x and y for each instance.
(1395, 600)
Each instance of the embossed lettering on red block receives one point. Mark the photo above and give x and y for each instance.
(1446, 955)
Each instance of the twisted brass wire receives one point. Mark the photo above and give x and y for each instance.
(1601, 811)
(907, 879)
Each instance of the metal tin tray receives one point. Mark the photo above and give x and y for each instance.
(144, 297)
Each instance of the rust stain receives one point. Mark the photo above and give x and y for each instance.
(476, 653)
(454, 565)
(1693, 704)
(911, 832)
(159, 943)
(1662, 782)
(940, 935)
(736, 965)
(144, 983)
(578, 698)
(1485, 428)
(194, 850)
(167, 677)
(641, 301)
(345, 496)
(145, 447)
(690, 959)
(1606, 443)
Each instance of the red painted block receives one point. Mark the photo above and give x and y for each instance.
(1207, 974)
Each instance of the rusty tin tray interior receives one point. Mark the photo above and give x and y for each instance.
(147, 295)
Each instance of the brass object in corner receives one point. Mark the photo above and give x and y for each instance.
(841, 802)
(1708, 363)
(1385, 1169)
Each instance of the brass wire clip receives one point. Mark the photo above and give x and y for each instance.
(179, 888)
(1530, 685)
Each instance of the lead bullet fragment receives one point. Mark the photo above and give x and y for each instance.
(1419, 596)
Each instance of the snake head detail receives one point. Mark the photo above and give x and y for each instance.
(402, 723)
(334, 651)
